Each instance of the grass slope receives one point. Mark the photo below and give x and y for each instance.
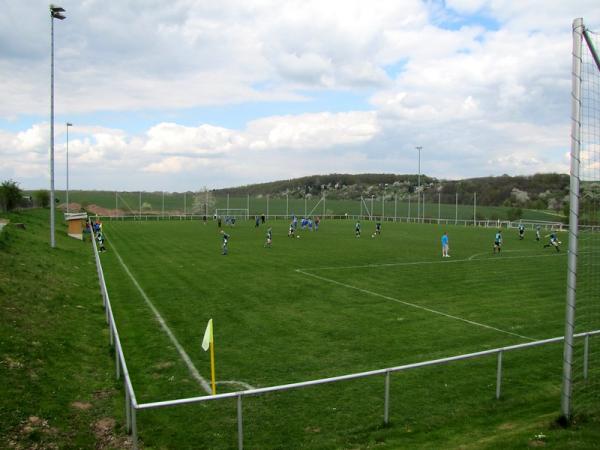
(56, 371)
(276, 325)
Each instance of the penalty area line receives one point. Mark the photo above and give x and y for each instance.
(193, 371)
(418, 263)
(424, 308)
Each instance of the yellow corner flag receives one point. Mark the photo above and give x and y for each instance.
(209, 341)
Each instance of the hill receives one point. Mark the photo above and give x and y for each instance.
(539, 191)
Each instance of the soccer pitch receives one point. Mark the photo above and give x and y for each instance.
(329, 304)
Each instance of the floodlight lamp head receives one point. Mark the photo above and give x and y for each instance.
(69, 124)
(56, 12)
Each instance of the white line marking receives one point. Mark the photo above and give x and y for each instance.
(413, 305)
(237, 383)
(416, 263)
(193, 371)
(472, 257)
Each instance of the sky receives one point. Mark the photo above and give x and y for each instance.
(185, 94)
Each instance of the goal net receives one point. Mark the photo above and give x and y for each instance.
(238, 213)
(581, 370)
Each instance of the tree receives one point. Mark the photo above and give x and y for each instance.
(42, 198)
(10, 195)
(203, 202)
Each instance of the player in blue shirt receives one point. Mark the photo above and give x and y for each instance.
(554, 242)
(445, 246)
(225, 242)
(357, 229)
(498, 242)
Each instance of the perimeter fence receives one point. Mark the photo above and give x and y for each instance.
(132, 406)
(415, 206)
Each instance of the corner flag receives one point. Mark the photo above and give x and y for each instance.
(209, 341)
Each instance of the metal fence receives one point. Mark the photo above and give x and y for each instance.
(485, 223)
(132, 406)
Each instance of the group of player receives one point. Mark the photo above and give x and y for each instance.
(357, 229)
(552, 242)
(308, 223)
(98, 235)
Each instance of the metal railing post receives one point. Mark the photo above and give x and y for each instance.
(134, 431)
(127, 406)
(586, 350)
(240, 423)
(499, 375)
(386, 403)
(117, 360)
(110, 329)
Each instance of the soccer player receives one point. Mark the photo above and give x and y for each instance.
(378, 228)
(269, 240)
(498, 242)
(537, 233)
(521, 231)
(317, 220)
(225, 241)
(291, 230)
(357, 229)
(445, 246)
(554, 242)
(100, 239)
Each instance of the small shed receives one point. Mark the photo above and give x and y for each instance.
(76, 224)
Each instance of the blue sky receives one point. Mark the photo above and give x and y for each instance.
(191, 95)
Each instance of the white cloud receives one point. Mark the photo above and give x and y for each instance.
(478, 100)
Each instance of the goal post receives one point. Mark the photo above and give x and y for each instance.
(582, 313)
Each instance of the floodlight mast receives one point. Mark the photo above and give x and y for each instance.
(419, 148)
(55, 13)
(69, 124)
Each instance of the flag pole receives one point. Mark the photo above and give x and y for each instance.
(209, 341)
(212, 363)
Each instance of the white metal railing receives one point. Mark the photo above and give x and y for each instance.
(120, 363)
(387, 371)
(486, 223)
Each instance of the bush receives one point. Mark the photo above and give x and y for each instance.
(10, 195)
(42, 198)
(514, 214)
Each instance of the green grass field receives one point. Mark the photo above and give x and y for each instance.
(329, 304)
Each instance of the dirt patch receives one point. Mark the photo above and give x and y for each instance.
(163, 365)
(507, 426)
(82, 406)
(104, 431)
(99, 210)
(12, 363)
(104, 393)
(29, 435)
(536, 443)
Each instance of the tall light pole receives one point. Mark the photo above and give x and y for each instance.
(55, 13)
(68, 125)
(419, 148)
